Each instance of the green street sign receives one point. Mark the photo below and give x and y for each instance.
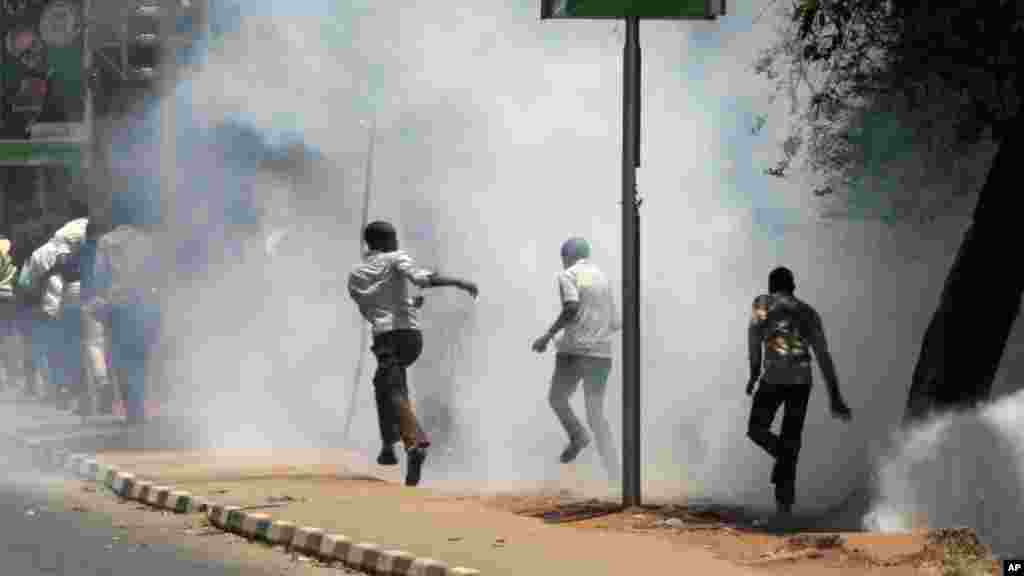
(42, 83)
(28, 153)
(618, 9)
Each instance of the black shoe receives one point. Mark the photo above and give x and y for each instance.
(415, 458)
(387, 456)
(574, 448)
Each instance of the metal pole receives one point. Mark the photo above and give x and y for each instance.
(368, 187)
(165, 80)
(631, 455)
(89, 116)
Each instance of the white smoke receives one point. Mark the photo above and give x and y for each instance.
(961, 470)
(498, 137)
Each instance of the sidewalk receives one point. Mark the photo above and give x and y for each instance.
(344, 492)
(341, 497)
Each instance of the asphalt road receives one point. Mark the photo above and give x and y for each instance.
(40, 537)
(55, 526)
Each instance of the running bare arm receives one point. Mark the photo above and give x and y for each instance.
(424, 278)
(754, 350)
(570, 297)
(819, 345)
(437, 281)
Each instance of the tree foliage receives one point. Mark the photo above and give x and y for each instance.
(895, 91)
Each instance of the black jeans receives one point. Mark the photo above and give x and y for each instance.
(785, 447)
(396, 351)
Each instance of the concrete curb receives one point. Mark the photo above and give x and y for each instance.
(369, 557)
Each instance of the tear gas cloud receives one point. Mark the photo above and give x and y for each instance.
(498, 136)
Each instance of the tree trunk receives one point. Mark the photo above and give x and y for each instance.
(981, 298)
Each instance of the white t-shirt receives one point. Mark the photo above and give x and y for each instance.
(590, 334)
(380, 287)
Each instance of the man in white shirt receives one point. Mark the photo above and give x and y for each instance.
(380, 288)
(584, 352)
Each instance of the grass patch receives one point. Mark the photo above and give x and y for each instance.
(960, 552)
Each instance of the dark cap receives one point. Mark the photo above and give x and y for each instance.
(781, 280)
(381, 236)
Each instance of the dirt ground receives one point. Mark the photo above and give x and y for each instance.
(734, 535)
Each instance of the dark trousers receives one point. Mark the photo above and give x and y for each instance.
(396, 351)
(133, 329)
(785, 447)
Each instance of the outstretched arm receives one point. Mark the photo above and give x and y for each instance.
(436, 280)
(754, 348)
(424, 278)
(819, 344)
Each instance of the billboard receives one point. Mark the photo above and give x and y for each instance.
(43, 81)
(649, 9)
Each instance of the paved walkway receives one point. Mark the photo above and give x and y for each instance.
(344, 492)
(337, 491)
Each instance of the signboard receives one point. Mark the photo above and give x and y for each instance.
(648, 9)
(42, 76)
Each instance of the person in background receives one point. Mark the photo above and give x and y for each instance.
(28, 238)
(70, 238)
(782, 333)
(125, 275)
(10, 361)
(99, 393)
(380, 288)
(41, 293)
(587, 321)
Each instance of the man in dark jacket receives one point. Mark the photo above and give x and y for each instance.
(783, 332)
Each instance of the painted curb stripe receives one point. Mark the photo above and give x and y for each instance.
(335, 547)
(104, 475)
(123, 482)
(394, 563)
(255, 525)
(363, 556)
(428, 567)
(140, 490)
(233, 519)
(88, 469)
(57, 458)
(179, 501)
(213, 511)
(308, 539)
(158, 496)
(70, 463)
(200, 504)
(281, 532)
(366, 556)
(220, 514)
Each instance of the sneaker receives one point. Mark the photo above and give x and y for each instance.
(415, 458)
(574, 448)
(387, 456)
